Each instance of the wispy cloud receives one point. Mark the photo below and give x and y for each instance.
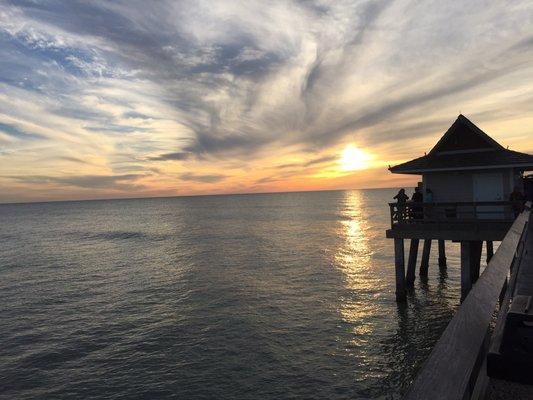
(212, 85)
(14, 131)
(177, 156)
(213, 178)
(84, 181)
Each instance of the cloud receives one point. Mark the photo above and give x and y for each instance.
(210, 178)
(178, 156)
(134, 114)
(237, 81)
(312, 162)
(114, 128)
(73, 159)
(121, 182)
(14, 131)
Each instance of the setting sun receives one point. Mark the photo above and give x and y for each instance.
(353, 159)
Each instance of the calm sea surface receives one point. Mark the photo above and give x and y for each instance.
(271, 296)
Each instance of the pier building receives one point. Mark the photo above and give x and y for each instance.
(467, 180)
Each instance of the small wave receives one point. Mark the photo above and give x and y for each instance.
(114, 235)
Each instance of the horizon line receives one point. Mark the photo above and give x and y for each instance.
(190, 195)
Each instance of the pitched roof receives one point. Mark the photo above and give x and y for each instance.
(464, 146)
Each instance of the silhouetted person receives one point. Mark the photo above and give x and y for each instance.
(417, 198)
(428, 197)
(517, 197)
(401, 199)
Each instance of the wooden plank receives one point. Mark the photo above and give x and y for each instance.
(451, 367)
(411, 263)
(497, 366)
(524, 279)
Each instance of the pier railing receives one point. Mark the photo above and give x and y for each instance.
(419, 214)
(455, 369)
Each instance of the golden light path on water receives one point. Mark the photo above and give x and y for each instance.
(354, 259)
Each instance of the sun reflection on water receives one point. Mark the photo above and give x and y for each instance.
(354, 259)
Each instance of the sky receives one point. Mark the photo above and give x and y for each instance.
(111, 99)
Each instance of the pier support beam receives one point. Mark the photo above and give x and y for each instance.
(411, 263)
(442, 254)
(466, 269)
(470, 261)
(476, 248)
(399, 262)
(424, 265)
(490, 250)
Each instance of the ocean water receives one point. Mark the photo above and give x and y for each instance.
(267, 296)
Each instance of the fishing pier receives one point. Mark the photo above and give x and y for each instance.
(473, 359)
(467, 179)
(473, 192)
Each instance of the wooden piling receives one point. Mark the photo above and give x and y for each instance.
(475, 254)
(490, 250)
(470, 263)
(424, 265)
(442, 254)
(399, 262)
(466, 269)
(411, 263)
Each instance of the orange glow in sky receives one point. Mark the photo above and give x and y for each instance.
(223, 96)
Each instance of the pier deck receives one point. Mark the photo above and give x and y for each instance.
(470, 223)
(460, 363)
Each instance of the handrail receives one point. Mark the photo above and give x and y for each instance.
(452, 368)
(459, 212)
(459, 203)
(498, 366)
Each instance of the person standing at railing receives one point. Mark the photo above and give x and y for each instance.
(401, 198)
(417, 199)
(517, 198)
(428, 199)
(428, 196)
